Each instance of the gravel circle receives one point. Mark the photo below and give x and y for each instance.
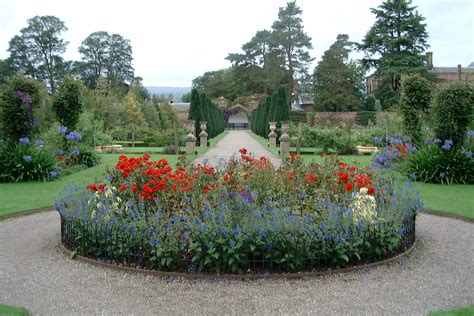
(438, 274)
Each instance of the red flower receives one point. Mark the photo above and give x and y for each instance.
(371, 190)
(92, 187)
(146, 156)
(123, 188)
(290, 175)
(342, 165)
(243, 151)
(293, 156)
(348, 187)
(102, 187)
(135, 189)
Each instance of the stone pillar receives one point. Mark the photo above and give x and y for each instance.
(190, 138)
(284, 138)
(203, 135)
(272, 136)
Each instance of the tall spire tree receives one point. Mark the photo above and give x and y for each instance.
(293, 43)
(395, 44)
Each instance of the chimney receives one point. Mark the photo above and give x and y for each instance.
(459, 72)
(429, 60)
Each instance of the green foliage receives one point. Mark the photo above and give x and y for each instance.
(334, 140)
(91, 129)
(434, 165)
(414, 103)
(36, 51)
(20, 162)
(68, 102)
(336, 79)
(395, 44)
(88, 157)
(364, 117)
(453, 112)
(19, 101)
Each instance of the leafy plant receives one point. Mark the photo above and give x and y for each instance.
(25, 162)
(436, 165)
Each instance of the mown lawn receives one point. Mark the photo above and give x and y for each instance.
(12, 311)
(462, 311)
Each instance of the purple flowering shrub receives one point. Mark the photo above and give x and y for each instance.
(21, 97)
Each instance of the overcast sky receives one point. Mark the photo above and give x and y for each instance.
(175, 41)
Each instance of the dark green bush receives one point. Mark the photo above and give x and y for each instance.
(88, 157)
(432, 164)
(415, 101)
(26, 163)
(452, 113)
(68, 103)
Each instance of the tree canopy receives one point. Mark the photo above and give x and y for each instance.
(36, 52)
(337, 83)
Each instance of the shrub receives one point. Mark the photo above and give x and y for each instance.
(228, 220)
(415, 100)
(435, 164)
(453, 113)
(68, 102)
(19, 101)
(26, 161)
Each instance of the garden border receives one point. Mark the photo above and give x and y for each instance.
(243, 277)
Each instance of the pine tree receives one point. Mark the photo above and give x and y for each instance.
(399, 37)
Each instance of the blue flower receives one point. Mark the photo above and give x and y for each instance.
(410, 148)
(448, 144)
(406, 139)
(74, 137)
(154, 242)
(378, 140)
(75, 153)
(24, 140)
(470, 134)
(39, 143)
(231, 244)
(412, 176)
(58, 152)
(53, 173)
(62, 130)
(442, 174)
(27, 158)
(468, 154)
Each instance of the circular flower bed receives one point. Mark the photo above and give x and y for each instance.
(242, 217)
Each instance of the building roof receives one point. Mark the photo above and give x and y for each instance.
(451, 69)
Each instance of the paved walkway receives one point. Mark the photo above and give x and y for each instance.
(34, 274)
(229, 146)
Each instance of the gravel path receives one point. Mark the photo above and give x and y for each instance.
(229, 147)
(439, 274)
